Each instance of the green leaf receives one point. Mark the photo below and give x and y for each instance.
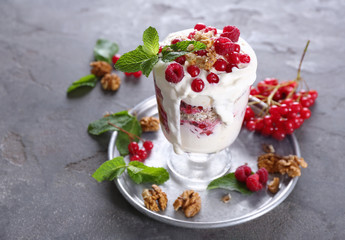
(171, 52)
(151, 41)
(147, 66)
(86, 81)
(229, 182)
(131, 61)
(104, 50)
(100, 126)
(140, 173)
(110, 170)
(122, 139)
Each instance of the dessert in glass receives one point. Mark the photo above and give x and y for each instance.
(201, 99)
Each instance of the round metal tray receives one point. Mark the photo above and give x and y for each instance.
(214, 213)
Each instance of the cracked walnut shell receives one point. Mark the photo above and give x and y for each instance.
(289, 165)
(189, 201)
(155, 199)
(149, 124)
(111, 82)
(100, 68)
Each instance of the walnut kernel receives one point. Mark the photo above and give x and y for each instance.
(100, 68)
(273, 186)
(155, 199)
(111, 82)
(189, 201)
(149, 124)
(226, 198)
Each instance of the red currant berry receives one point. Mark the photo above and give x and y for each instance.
(305, 102)
(296, 107)
(137, 74)
(115, 58)
(193, 70)
(254, 92)
(288, 102)
(277, 96)
(212, 78)
(231, 32)
(249, 114)
(174, 73)
(181, 60)
(259, 125)
(284, 109)
(148, 145)
(262, 87)
(199, 26)
(271, 81)
(313, 94)
(174, 41)
(220, 65)
(198, 85)
(135, 158)
(242, 172)
(250, 125)
(305, 113)
(279, 134)
(274, 110)
(298, 121)
(142, 154)
(133, 148)
(267, 130)
(268, 120)
(128, 74)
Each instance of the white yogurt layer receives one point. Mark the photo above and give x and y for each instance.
(229, 98)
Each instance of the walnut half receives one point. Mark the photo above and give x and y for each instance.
(149, 124)
(111, 82)
(155, 199)
(100, 68)
(273, 186)
(189, 201)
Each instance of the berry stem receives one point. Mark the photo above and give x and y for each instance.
(130, 135)
(300, 63)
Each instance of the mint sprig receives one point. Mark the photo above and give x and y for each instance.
(137, 171)
(86, 81)
(144, 57)
(229, 182)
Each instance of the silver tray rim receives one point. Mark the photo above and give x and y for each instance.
(199, 225)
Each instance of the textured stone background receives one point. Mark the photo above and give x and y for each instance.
(47, 157)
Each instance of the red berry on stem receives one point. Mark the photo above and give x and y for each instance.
(220, 65)
(268, 120)
(174, 73)
(253, 183)
(250, 125)
(271, 81)
(212, 78)
(142, 154)
(259, 125)
(133, 147)
(305, 102)
(198, 85)
(279, 134)
(296, 107)
(115, 58)
(249, 114)
(135, 158)
(305, 113)
(267, 130)
(254, 92)
(193, 70)
(148, 145)
(313, 94)
(242, 172)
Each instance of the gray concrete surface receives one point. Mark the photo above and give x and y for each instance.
(47, 157)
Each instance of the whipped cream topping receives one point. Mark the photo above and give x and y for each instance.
(222, 96)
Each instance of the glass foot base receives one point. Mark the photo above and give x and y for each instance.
(197, 170)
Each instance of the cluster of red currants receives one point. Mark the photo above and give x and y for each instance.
(286, 111)
(137, 154)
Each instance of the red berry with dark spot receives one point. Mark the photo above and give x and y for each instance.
(212, 78)
(199, 26)
(220, 65)
(253, 183)
(148, 145)
(135, 158)
(142, 154)
(181, 60)
(115, 58)
(231, 32)
(263, 175)
(242, 172)
(137, 74)
(174, 73)
(198, 85)
(133, 148)
(193, 70)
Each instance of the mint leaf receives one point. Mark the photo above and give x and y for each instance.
(100, 126)
(110, 169)
(171, 52)
(147, 66)
(151, 41)
(104, 50)
(86, 81)
(229, 182)
(140, 173)
(122, 139)
(131, 61)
